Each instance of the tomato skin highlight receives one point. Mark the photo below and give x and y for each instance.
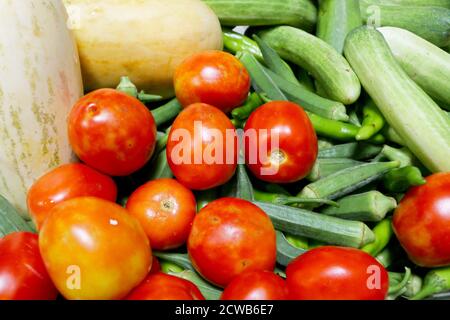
(112, 132)
(94, 249)
(213, 77)
(67, 182)
(208, 132)
(162, 286)
(297, 142)
(230, 236)
(336, 273)
(256, 285)
(165, 208)
(22, 272)
(422, 222)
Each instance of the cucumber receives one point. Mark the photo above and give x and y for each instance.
(426, 64)
(336, 19)
(319, 227)
(430, 23)
(297, 13)
(425, 3)
(319, 58)
(407, 108)
(10, 220)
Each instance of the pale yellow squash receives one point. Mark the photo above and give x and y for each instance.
(142, 39)
(40, 80)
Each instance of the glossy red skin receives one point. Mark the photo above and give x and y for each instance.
(202, 175)
(165, 209)
(22, 272)
(256, 285)
(162, 286)
(156, 266)
(335, 273)
(67, 182)
(422, 222)
(112, 132)
(212, 77)
(230, 236)
(297, 140)
(103, 241)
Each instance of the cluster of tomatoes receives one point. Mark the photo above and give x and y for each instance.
(89, 247)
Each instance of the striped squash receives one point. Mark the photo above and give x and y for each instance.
(40, 79)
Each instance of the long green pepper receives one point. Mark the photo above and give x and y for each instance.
(372, 123)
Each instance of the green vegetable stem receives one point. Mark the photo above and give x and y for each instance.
(373, 121)
(436, 281)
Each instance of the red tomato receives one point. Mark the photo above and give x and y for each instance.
(202, 148)
(213, 77)
(156, 266)
(112, 132)
(166, 209)
(256, 285)
(67, 182)
(230, 236)
(422, 222)
(94, 249)
(280, 144)
(22, 273)
(336, 273)
(162, 286)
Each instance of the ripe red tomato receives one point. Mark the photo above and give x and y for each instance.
(162, 286)
(94, 249)
(166, 209)
(422, 222)
(67, 182)
(112, 132)
(280, 143)
(156, 266)
(22, 273)
(213, 77)
(202, 148)
(336, 273)
(230, 236)
(256, 285)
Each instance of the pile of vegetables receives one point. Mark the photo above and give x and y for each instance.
(307, 160)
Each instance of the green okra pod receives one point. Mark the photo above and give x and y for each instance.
(436, 281)
(180, 259)
(346, 181)
(286, 252)
(297, 241)
(327, 166)
(315, 226)
(205, 197)
(370, 206)
(353, 150)
(236, 42)
(166, 112)
(253, 102)
(401, 179)
(373, 121)
(209, 291)
(404, 155)
(287, 200)
(244, 185)
(383, 233)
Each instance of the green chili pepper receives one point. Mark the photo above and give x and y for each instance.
(383, 233)
(179, 259)
(288, 200)
(404, 155)
(372, 123)
(436, 281)
(386, 257)
(236, 42)
(169, 267)
(166, 112)
(400, 180)
(297, 241)
(253, 102)
(238, 124)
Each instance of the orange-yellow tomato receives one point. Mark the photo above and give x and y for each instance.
(94, 249)
(166, 209)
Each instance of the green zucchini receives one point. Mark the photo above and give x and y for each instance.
(327, 166)
(426, 64)
(424, 3)
(429, 23)
(316, 226)
(285, 251)
(319, 58)
(10, 220)
(336, 19)
(413, 114)
(297, 13)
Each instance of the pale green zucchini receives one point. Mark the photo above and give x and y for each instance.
(407, 108)
(319, 58)
(424, 3)
(425, 63)
(297, 13)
